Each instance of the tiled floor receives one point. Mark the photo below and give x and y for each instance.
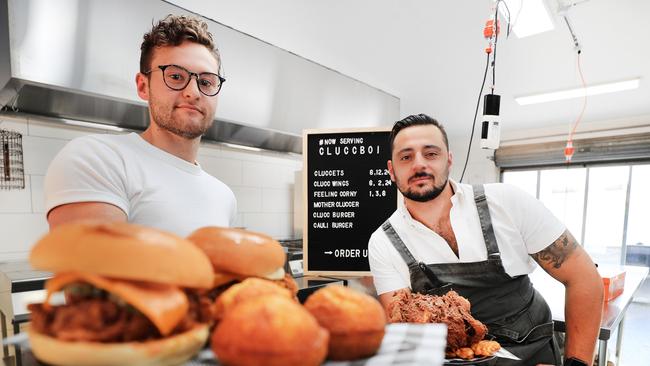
(635, 349)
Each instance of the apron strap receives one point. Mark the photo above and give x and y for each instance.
(486, 221)
(422, 277)
(399, 244)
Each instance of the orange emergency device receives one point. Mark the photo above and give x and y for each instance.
(568, 151)
(490, 32)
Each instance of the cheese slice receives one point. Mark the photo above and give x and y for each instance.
(278, 274)
(164, 305)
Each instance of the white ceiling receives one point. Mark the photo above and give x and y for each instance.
(431, 53)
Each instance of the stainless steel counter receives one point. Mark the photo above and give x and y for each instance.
(20, 285)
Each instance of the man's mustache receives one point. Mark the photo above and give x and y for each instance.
(421, 175)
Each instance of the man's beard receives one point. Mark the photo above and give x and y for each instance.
(424, 196)
(166, 121)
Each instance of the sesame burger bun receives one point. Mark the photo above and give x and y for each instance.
(125, 251)
(241, 253)
(269, 330)
(356, 321)
(173, 350)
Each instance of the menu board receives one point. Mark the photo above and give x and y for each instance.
(348, 194)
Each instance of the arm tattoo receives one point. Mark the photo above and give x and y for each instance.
(556, 253)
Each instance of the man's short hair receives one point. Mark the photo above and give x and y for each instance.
(416, 120)
(172, 31)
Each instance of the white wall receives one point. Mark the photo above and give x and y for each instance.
(480, 167)
(262, 182)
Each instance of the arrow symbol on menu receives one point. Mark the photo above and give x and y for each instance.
(330, 252)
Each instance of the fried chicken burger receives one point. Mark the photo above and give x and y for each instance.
(125, 299)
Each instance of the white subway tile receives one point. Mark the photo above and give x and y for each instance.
(38, 152)
(277, 200)
(59, 130)
(14, 124)
(38, 196)
(21, 231)
(281, 159)
(267, 175)
(16, 200)
(240, 154)
(227, 170)
(239, 221)
(276, 225)
(14, 256)
(209, 149)
(248, 199)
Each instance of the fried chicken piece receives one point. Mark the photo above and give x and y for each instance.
(451, 309)
(398, 302)
(475, 329)
(465, 353)
(485, 348)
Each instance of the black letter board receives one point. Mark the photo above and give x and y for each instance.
(347, 194)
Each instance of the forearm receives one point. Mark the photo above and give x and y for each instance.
(583, 312)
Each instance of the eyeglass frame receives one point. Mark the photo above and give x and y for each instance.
(197, 75)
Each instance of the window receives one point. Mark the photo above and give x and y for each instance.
(605, 217)
(606, 208)
(524, 179)
(638, 228)
(563, 192)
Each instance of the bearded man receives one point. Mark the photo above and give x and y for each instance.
(153, 178)
(482, 241)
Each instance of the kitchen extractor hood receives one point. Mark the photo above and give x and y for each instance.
(77, 60)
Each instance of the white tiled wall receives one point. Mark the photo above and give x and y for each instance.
(263, 183)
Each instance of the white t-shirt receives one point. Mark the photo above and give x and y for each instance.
(154, 188)
(522, 226)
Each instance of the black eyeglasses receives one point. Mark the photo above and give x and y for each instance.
(177, 78)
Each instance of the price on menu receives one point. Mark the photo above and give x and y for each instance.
(378, 171)
(380, 182)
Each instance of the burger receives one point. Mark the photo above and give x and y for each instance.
(270, 330)
(356, 321)
(237, 254)
(125, 299)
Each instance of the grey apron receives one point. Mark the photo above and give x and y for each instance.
(516, 315)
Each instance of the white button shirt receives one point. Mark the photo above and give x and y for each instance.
(522, 226)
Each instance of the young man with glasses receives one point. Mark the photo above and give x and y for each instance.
(153, 178)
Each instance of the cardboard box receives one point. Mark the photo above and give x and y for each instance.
(613, 281)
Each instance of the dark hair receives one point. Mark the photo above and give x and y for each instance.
(172, 31)
(416, 120)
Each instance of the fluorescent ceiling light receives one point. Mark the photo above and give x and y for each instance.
(533, 18)
(579, 92)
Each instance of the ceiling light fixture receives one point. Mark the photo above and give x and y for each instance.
(579, 92)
